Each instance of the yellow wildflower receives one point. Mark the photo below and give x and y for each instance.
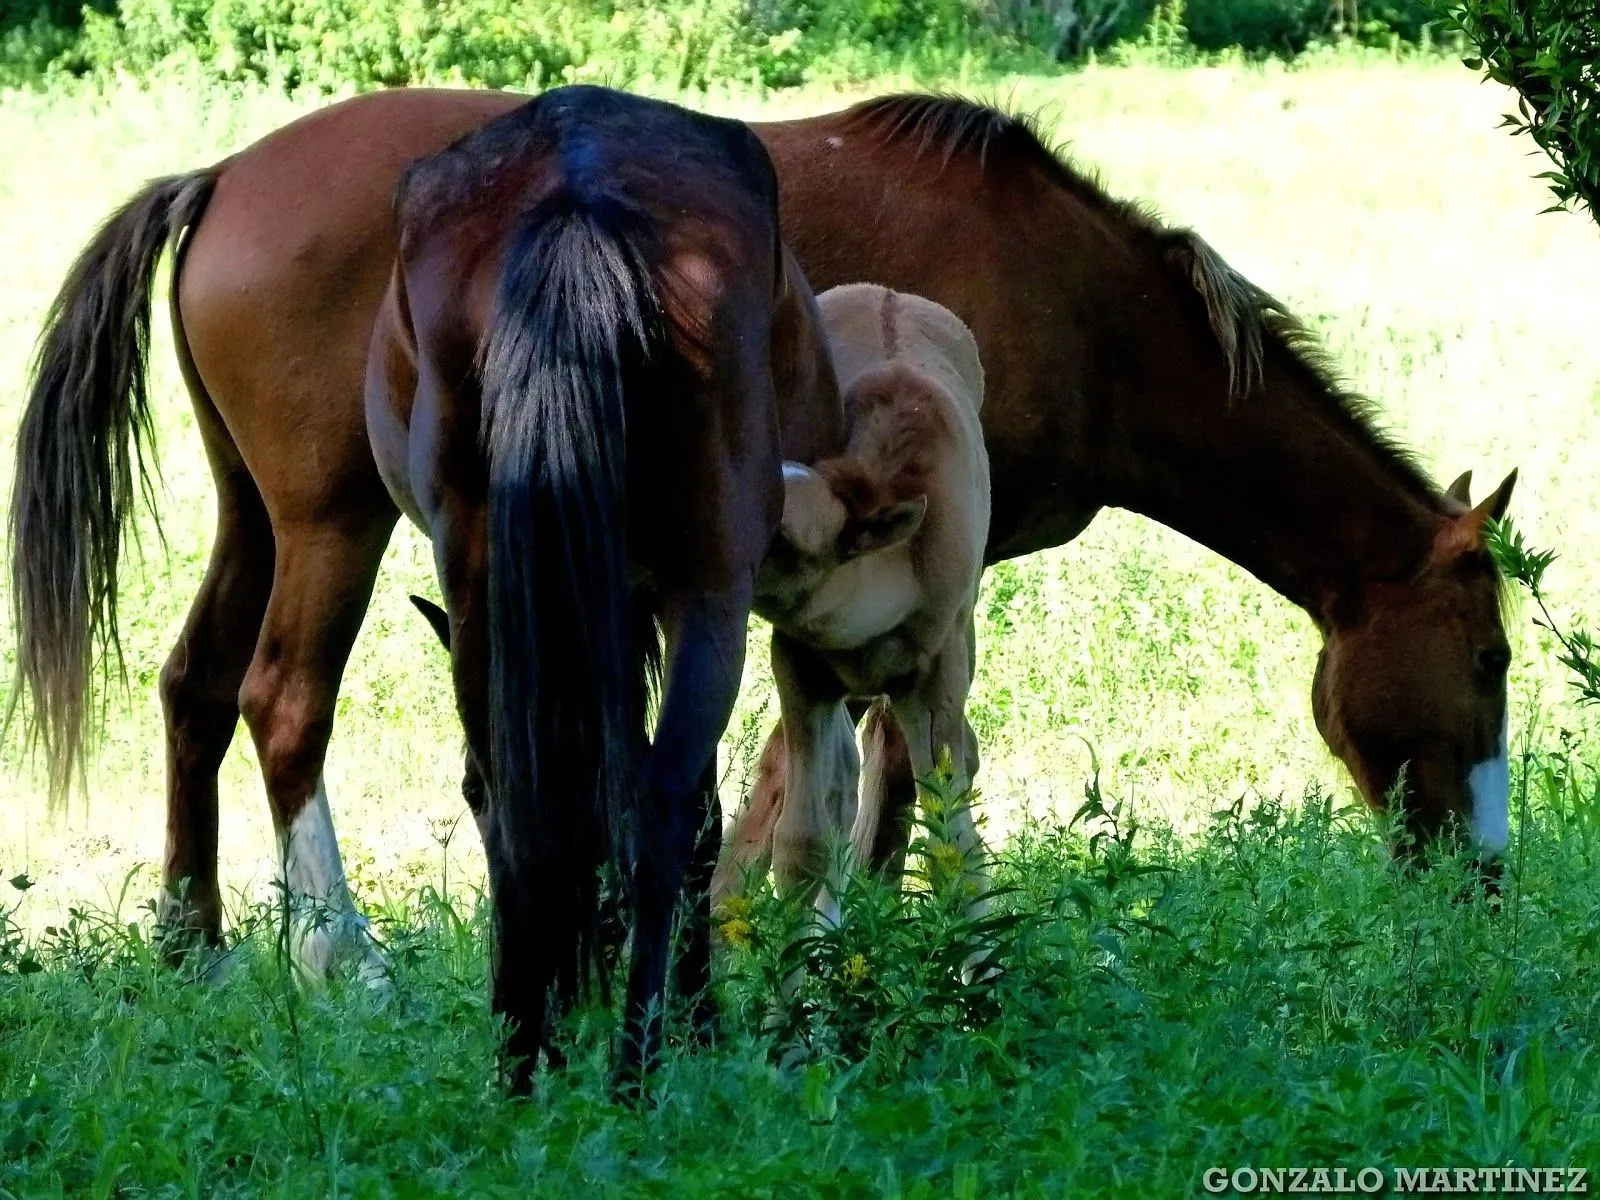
(734, 908)
(855, 969)
(737, 932)
(947, 861)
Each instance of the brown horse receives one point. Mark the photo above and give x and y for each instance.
(1127, 364)
(593, 354)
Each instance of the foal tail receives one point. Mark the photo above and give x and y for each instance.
(83, 447)
(575, 317)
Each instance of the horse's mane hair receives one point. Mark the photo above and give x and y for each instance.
(1246, 321)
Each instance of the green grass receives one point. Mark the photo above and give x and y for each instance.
(1275, 992)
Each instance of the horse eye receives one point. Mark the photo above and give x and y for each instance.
(1492, 663)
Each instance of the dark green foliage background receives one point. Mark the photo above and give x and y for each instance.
(683, 43)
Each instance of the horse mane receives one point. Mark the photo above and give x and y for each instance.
(1246, 321)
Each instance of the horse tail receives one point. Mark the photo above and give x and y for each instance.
(575, 317)
(85, 444)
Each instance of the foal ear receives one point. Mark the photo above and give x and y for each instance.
(879, 530)
(436, 617)
(1464, 534)
(1459, 493)
(807, 501)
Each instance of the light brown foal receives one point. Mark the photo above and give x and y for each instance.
(871, 583)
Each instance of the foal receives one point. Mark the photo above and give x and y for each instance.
(871, 584)
(593, 355)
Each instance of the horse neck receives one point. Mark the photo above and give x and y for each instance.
(1281, 481)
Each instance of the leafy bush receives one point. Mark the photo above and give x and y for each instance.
(675, 43)
(1280, 25)
(37, 33)
(1549, 51)
(388, 42)
(1069, 29)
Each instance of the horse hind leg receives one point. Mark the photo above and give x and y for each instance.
(323, 579)
(200, 688)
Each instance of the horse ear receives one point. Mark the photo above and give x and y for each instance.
(1463, 534)
(436, 617)
(1459, 493)
(879, 530)
(1494, 508)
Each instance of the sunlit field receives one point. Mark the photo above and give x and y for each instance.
(1244, 980)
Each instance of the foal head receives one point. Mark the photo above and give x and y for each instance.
(836, 513)
(1410, 690)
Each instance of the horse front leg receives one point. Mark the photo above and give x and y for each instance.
(705, 661)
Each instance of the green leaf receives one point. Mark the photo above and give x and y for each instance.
(21, 882)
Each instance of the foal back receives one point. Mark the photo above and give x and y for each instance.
(913, 386)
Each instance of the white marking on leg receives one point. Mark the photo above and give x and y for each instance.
(1489, 783)
(325, 926)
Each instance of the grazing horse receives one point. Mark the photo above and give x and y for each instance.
(871, 583)
(1127, 364)
(591, 358)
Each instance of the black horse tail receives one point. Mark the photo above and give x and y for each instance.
(576, 317)
(83, 449)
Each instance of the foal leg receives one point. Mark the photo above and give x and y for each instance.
(933, 718)
(200, 690)
(747, 850)
(817, 775)
(322, 582)
(882, 831)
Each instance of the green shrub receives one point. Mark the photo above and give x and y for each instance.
(1275, 25)
(675, 43)
(387, 42)
(1070, 29)
(1549, 51)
